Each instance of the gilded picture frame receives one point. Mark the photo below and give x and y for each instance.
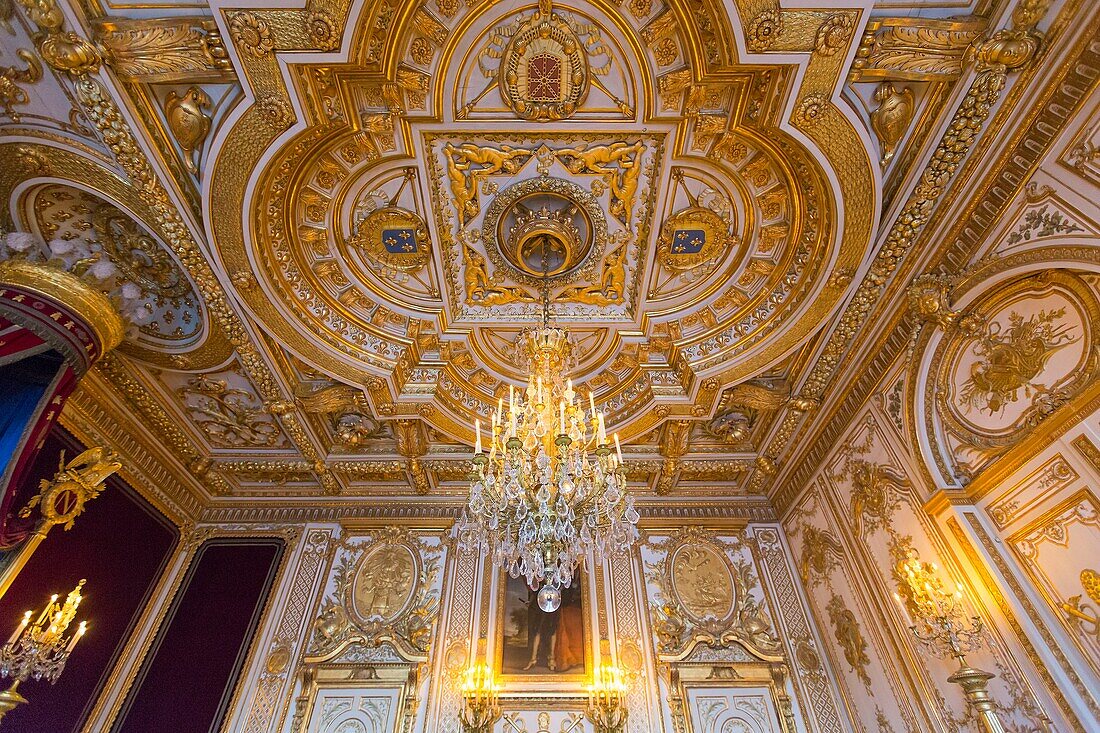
(517, 625)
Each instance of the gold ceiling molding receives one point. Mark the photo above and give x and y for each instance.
(1006, 50)
(114, 192)
(916, 49)
(986, 203)
(265, 33)
(149, 469)
(69, 52)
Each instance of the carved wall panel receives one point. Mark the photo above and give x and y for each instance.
(1058, 551)
(355, 710)
(723, 613)
(850, 564)
(1007, 360)
(715, 709)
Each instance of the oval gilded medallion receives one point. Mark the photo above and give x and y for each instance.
(702, 582)
(384, 583)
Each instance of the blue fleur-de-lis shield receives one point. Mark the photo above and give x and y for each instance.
(688, 241)
(399, 241)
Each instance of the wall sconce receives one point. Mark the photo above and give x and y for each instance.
(937, 619)
(607, 700)
(481, 700)
(40, 649)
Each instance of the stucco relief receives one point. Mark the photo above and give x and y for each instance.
(1005, 362)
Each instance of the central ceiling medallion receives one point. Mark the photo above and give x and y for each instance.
(545, 229)
(544, 70)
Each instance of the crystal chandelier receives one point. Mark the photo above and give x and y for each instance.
(550, 491)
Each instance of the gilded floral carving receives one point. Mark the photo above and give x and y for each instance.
(833, 34)
(323, 31)
(251, 33)
(11, 94)
(229, 416)
(848, 636)
(1010, 358)
(763, 29)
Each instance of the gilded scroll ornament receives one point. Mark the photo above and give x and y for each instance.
(848, 636)
(820, 551)
(1084, 616)
(891, 118)
(875, 488)
(188, 122)
(62, 499)
(915, 48)
(228, 416)
(11, 77)
(164, 49)
(63, 51)
(69, 52)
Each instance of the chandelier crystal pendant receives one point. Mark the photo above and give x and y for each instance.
(550, 491)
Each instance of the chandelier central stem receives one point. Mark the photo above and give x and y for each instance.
(550, 493)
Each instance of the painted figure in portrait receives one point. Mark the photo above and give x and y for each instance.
(539, 643)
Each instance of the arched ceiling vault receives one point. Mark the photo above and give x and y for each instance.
(347, 193)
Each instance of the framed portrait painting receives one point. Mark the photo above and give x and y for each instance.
(531, 643)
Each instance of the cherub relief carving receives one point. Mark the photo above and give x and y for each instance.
(465, 179)
(620, 165)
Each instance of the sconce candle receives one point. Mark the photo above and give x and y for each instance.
(607, 700)
(481, 700)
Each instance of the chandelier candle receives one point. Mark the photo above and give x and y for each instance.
(550, 491)
(40, 650)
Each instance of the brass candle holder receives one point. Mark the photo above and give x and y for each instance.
(940, 623)
(40, 650)
(481, 700)
(607, 700)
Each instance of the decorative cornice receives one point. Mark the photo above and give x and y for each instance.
(995, 191)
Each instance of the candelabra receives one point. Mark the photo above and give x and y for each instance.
(40, 649)
(607, 700)
(481, 700)
(940, 623)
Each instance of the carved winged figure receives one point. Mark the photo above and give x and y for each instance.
(77, 482)
(620, 165)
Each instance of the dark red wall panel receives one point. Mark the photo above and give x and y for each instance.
(189, 674)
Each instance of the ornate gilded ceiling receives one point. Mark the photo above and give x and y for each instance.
(345, 213)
